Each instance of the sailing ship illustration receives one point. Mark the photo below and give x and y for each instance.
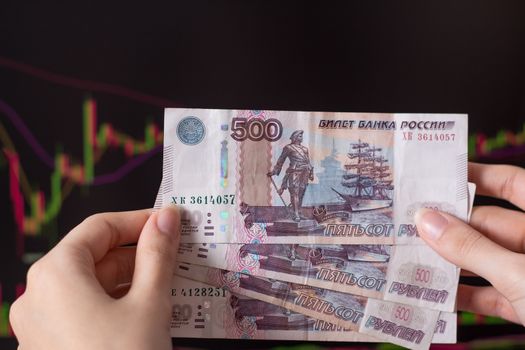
(368, 178)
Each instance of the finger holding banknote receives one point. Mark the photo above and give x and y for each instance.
(504, 226)
(495, 254)
(471, 250)
(486, 301)
(501, 226)
(499, 181)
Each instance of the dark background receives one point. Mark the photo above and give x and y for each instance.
(359, 56)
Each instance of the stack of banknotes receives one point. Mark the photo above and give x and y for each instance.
(300, 225)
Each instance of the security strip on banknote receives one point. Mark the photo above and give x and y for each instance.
(203, 311)
(311, 177)
(401, 324)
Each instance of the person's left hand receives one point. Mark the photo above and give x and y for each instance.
(89, 292)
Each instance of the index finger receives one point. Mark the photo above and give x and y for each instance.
(100, 233)
(500, 181)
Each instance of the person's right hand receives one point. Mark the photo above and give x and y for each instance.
(497, 254)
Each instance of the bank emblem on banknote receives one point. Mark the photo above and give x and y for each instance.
(191, 130)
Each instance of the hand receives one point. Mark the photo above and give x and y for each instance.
(497, 254)
(79, 295)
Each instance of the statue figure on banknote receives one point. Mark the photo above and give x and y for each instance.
(287, 219)
(299, 172)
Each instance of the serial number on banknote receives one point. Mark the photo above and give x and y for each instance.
(198, 292)
(435, 137)
(219, 199)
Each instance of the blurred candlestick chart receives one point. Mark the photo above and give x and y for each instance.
(95, 143)
(37, 183)
(504, 144)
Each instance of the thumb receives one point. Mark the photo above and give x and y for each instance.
(156, 252)
(467, 248)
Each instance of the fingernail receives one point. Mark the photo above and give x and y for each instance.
(431, 223)
(168, 220)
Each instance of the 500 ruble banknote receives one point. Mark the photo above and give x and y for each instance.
(311, 177)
